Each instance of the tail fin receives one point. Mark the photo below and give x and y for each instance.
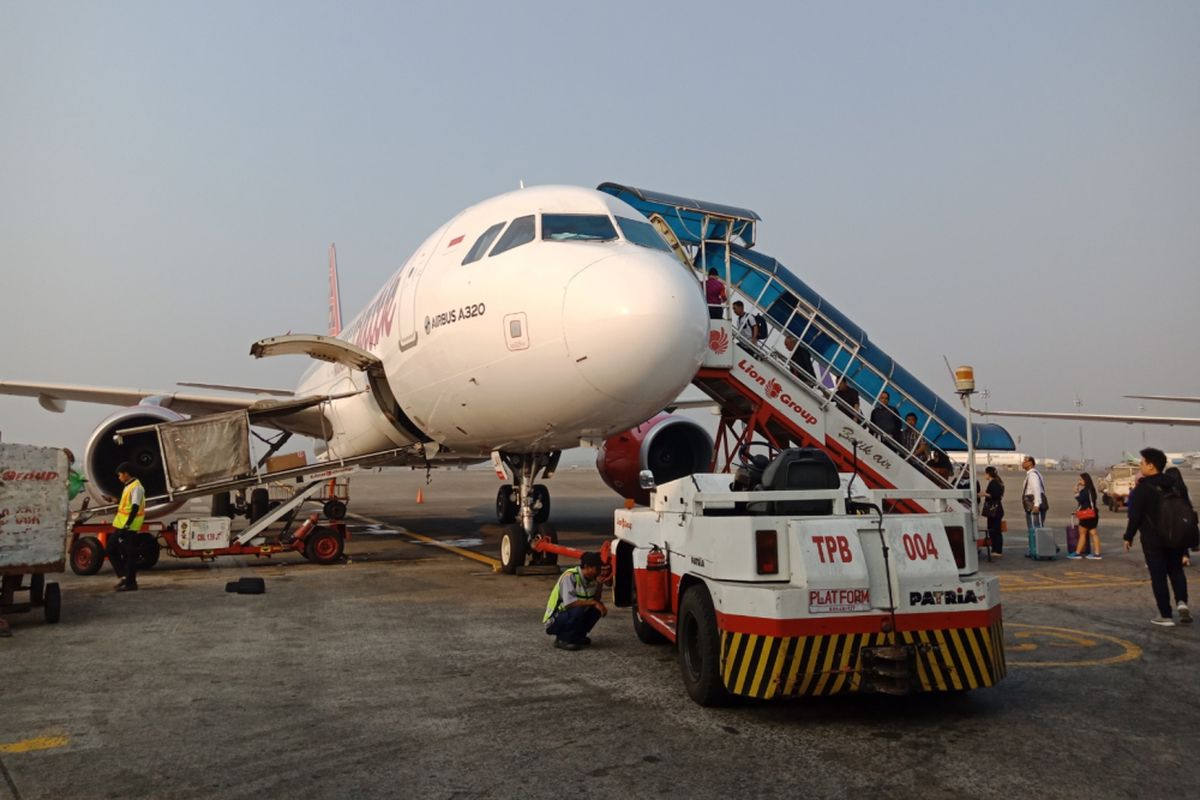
(335, 298)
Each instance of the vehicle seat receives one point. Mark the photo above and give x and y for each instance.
(799, 468)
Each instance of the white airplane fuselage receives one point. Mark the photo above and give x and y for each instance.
(528, 350)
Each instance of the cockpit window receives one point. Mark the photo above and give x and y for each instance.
(643, 233)
(520, 232)
(483, 243)
(577, 228)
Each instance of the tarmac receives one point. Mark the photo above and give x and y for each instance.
(410, 670)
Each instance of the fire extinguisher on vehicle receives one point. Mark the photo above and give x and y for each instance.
(652, 581)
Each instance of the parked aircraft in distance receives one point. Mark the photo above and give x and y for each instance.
(527, 324)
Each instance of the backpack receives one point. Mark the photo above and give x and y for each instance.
(1175, 519)
(760, 328)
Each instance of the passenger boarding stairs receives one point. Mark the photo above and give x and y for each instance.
(764, 395)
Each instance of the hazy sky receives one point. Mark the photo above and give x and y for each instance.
(1013, 185)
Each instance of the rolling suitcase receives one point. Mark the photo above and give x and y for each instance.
(1073, 540)
(1041, 544)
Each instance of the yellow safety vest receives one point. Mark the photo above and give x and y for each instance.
(554, 604)
(126, 506)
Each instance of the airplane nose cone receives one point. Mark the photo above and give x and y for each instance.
(635, 326)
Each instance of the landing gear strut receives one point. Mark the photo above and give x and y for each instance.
(524, 507)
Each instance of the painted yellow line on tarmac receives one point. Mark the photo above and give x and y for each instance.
(1070, 639)
(458, 551)
(1017, 583)
(36, 743)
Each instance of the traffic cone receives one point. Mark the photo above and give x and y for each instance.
(420, 496)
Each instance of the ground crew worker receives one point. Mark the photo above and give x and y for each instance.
(131, 513)
(574, 606)
(75, 478)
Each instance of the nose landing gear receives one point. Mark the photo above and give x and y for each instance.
(524, 508)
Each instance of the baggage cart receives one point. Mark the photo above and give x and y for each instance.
(33, 527)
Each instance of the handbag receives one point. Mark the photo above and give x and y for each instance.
(1084, 514)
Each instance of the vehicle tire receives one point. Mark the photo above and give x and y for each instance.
(260, 504)
(334, 509)
(222, 506)
(513, 547)
(87, 556)
(646, 633)
(37, 587)
(700, 648)
(541, 495)
(53, 607)
(547, 531)
(324, 546)
(506, 509)
(147, 551)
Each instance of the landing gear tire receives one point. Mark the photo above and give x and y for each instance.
(548, 532)
(700, 649)
(324, 546)
(221, 505)
(260, 504)
(506, 509)
(513, 547)
(52, 609)
(147, 551)
(645, 631)
(541, 495)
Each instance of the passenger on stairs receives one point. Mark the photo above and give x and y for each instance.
(801, 362)
(914, 443)
(714, 295)
(884, 417)
(848, 395)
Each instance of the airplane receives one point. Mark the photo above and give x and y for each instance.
(531, 322)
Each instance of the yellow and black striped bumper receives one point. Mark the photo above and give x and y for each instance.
(786, 666)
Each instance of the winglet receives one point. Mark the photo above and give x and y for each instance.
(335, 299)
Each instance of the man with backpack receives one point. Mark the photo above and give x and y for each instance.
(1160, 511)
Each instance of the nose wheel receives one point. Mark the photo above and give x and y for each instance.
(523, 508)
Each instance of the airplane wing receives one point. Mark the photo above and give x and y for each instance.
(301, 415)
(1168, 398)
(1129, 419)
(54, 397)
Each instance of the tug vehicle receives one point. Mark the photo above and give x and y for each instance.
(785, 579)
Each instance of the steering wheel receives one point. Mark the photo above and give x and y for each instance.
(757, 461)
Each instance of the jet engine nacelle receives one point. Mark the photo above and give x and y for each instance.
(140, 449)
(671, 447)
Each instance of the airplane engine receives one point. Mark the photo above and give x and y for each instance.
(667, 445)
(141, 450)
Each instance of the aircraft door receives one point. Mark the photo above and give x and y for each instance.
(407, 290)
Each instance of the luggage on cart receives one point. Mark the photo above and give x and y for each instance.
(1041, 544)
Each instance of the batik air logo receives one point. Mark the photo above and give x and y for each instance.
(718, 341)
(774, 391)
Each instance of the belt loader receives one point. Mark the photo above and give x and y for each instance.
(797, 588)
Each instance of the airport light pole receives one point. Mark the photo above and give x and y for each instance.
(964, 385)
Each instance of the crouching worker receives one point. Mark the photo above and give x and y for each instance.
(574, 606)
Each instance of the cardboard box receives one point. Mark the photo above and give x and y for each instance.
(286, 461)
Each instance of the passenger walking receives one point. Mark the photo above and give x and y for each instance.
(913, 441)
(1174, 474)
(993, 511)
(848, 395)
(574, 606)
(1088, 515)
(714, 295)
(1033, 500)
(800, 362)
(1165, 563)
(884, 417)
(123, 542)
